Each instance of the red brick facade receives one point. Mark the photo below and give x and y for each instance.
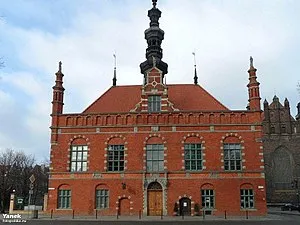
(187, 115)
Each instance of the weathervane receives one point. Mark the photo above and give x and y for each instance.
(115, 57)
(194, 54)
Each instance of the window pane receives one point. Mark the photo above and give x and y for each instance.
(115, 158)
(193, 156)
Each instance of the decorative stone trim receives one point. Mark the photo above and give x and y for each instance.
(164, 183)
(130, 203)
(192, 203)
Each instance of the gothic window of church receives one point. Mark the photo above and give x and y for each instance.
(272, 130)
(193, 156)
(79, 158)
(283, 129)
(115, 160)
(154, 103)
(155, 157)
(232, 157)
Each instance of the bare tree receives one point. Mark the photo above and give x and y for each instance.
(15, 169)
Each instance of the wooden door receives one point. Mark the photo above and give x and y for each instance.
(124, 209)
(155, 204)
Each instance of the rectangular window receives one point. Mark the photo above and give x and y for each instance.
(102, 198)
(115, 158)
(193, 156)
(154, 103)
(232, 157)
(208, 198)
(247, 199)
(64, 199)
(155, 157)
(79, 158)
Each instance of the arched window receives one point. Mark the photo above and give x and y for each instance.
(64, 197)
(208, 196)
(193, 157)
(79, 154)
(283, 129)
(247, 196)
(272, 130)
(155, 157)
(116, 155)
(102, 197)
(232, 154)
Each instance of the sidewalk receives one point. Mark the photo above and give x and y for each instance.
(164, 218)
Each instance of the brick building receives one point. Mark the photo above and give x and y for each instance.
(281, 143)
(157, 148)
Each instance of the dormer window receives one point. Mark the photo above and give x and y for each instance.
(154, 103)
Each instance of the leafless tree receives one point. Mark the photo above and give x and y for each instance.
(15, 169)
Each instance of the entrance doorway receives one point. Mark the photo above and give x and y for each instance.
(124, 209)
(185, 206)
(155, 203)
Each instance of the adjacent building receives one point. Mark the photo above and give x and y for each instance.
(281, 152)
(157, 148)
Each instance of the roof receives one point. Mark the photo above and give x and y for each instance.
(185, 97)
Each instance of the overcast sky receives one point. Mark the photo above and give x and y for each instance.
(35, 35)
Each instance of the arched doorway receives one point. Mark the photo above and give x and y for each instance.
(124, 207)
(185, 206)
(155, 203)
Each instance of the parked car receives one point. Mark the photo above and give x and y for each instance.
(290, 207)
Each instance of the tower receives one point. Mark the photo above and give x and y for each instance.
(58, 92)
(154, 36)
(253, 88)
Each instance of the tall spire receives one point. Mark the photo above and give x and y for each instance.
(195, 76)
(154, 36)
(58, 92)
(253, 88)
(115, 71)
